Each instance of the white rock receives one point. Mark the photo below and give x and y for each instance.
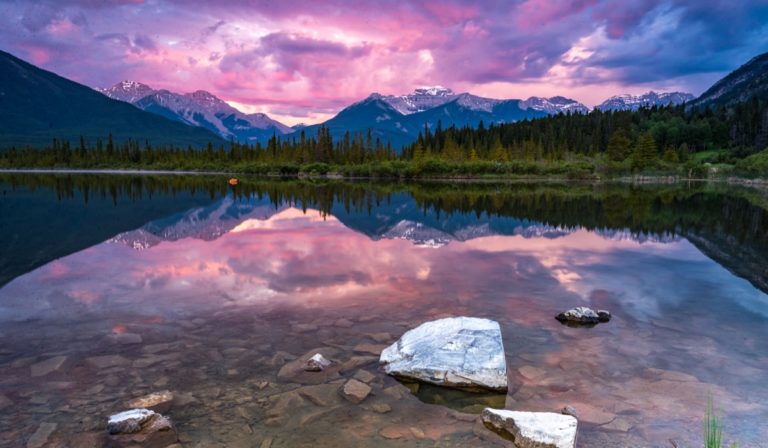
(316, 363)
(464, 352)
(533, 429)
(128, 421)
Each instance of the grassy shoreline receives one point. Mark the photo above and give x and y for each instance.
(330, 173)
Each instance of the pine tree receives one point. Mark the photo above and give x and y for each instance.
(645, 151)
(618, 146)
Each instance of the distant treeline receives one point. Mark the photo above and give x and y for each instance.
(621, 141)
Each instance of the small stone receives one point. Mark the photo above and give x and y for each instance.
(261, 385)
(394, 432)
(102, 362)
(157, 401)
(364, 376)
(355, 391)
(569, 410)
(344, 323)
(582, 315)
(40, 438)
(618, 425)
(381, 408)
(317, 363)
(43, 368)
(530, 372)
(266, 443)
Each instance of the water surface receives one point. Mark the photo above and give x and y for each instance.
(186, 284)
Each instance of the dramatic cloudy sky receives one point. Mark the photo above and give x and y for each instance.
(301, 61)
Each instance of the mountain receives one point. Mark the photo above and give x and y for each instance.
(128, 91)
(398, 119)
(373, 113)
(420, 100)
(554, 105)
(751, 79)
(389, 124)
(650, 99)
(37, 106)
(199, 108)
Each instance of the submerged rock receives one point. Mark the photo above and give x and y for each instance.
(140, 427)
(156, 401)
(316, 363)
(40, 438)
(355, 391)
(462, 352)
(582, 315)
(533, 429)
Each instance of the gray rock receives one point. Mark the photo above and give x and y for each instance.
(533, 429)
(463, 352)
(582, 315)
(153, 430)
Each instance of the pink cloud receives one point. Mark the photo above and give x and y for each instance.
(307, 57)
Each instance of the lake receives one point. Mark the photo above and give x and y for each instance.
(116, 286)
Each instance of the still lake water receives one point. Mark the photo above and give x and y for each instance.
(113, 287)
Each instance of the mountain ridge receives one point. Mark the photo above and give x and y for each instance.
(199, 108)
(37, 106)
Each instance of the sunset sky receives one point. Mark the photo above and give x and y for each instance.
(302, 61)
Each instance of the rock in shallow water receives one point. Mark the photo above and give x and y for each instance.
(355, 391)
(140, 427)
(156, 401)
(582, 315)
(316, 363)
(533, 429)
(463, 352)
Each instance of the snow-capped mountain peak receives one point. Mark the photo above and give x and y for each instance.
(128, 91)
(199, 108)
(206, 98)
(648, 99)
(554, 105)
(433, 91)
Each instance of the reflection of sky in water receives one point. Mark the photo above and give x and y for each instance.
(675, 309)
(311, 260)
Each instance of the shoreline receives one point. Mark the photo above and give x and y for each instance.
(634, 179)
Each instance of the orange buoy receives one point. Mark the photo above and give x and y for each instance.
(233, 181)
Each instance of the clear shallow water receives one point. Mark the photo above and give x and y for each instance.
(224, 291)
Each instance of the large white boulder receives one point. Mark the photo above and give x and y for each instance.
(462, 352)
(533, 429)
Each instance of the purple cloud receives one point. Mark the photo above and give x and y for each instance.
(309, 58)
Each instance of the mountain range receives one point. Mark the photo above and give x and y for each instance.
(37, 106)
(397, 119)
